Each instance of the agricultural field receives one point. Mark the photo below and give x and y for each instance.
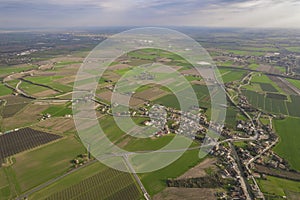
(253, 66)
(39, 165)
(155, 182)
(59, 110)
(201, 92)
(128, 142)
(263, 81)
(69, 180)
(22, 140)
(244, 52)
(52, 82)
(4, 90)
(267, 87)
(109, 184)
(6, 70)
(296, 83)
(32, 89)
(13, 105)
(269, 102)
(29, 114)
(288, 147)
(277, 188)
(231, 75)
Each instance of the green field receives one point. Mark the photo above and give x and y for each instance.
(4, 90)
(274, 187)
(65, 63)
(6, 70)
(296, 83)
(274, 105)
(232, 75)
(156, 181)
(69, 180)
(107, 184)
(31, 88)
(38, 166)
(263, 79)
(129, 143)
(247, 53)
(253, 66)
(288, 146)
(59, 110)
(201, 91)
(293, 49)
(51, 81)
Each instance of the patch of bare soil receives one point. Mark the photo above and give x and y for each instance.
(119, 66)
(199, 170)
(58, 125)
(29, 115)
(46, 93)
(151, 94)
(173, 193)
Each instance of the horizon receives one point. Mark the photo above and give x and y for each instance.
(90, 13)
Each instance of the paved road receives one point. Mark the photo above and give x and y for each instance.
(243, 181)
(146, 195)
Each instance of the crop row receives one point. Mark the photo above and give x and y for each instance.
(22, 140)
(107, 184)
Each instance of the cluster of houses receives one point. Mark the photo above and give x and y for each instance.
(230, 170)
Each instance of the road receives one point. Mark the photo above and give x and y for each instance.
(146, 195)
(238, 167)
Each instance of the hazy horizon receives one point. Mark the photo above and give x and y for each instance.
(33, 14)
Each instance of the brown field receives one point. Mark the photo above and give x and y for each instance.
(70, 70)
(138, 62)
(172, 193)
(119, 66)
(201, 82)
(164, 69)
(109, 75)
(269, 69)
(264, 68)
(107, 95)
(199, 170)
(66, 80)
(192, 71)
(29, 115)
(150, 94)
(57, 125)
(13, 105)
(45, 93)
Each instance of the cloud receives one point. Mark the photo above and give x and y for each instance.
(221, 13)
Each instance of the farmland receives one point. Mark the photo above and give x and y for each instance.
(156, 181)
(288, 146)
(296, 83)
(21, 140)
(201, 92)
(229, 75)
(275, 103)
(13, 105)
(35, 167)
(276, 188)
(58, 110)
(52, 81)
(4, 90)
(109, 184)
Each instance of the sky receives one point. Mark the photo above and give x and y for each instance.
(96, 13)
